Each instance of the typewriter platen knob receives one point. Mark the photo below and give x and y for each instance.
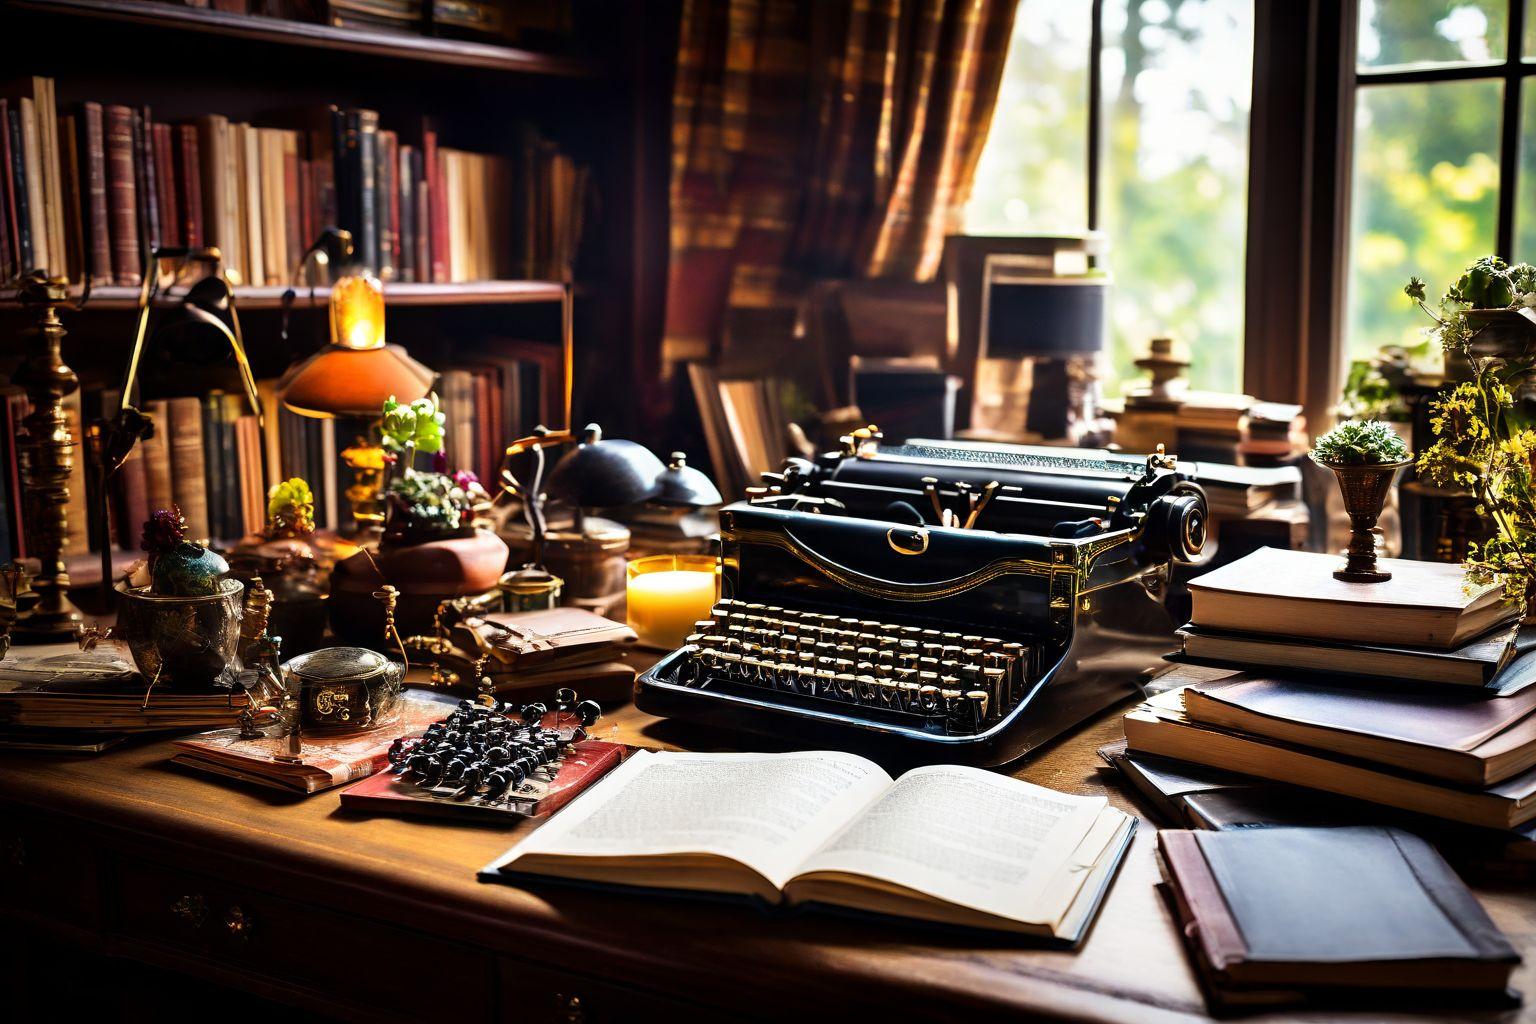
(1176, 523)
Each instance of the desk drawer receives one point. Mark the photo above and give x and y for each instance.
(297, 945)
(538, 995)
(46, 870)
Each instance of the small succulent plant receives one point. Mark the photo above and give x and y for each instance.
(1360, 443)
(417, 427)
(290, 509)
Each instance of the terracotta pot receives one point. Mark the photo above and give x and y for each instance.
(425, 574)
(1364, 487)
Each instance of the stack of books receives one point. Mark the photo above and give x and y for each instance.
(88, 189)
(1413, 695)
(537, 652)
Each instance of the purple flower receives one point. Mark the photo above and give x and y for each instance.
(465, 479)
(440, 461)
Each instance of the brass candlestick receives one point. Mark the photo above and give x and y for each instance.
(47, 454)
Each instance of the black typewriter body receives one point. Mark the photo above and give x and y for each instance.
(859, 612)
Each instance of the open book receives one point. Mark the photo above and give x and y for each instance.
(947, 844)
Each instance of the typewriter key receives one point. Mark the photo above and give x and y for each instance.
(867, 689)
(908, 695)
(978, 709)
(845, 684)
(928, 698)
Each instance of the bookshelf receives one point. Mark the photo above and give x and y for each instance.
(603, 98)
(282, 32)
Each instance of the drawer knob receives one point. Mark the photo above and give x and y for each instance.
(238, 924)
(192, 909)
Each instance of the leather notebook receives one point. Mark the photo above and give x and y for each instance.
(1308, 911)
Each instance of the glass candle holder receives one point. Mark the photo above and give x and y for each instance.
(668, 594)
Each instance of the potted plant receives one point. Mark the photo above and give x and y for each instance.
(283, 556)
(1365, 455)
(1486, 323)
(435, 545)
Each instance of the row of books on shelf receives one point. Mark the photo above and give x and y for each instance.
(1326, 732)
(213, 457)
(89, 189)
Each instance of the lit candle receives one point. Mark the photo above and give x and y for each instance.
(664, 604)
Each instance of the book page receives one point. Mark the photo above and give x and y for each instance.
(971, 838)
(767, 811)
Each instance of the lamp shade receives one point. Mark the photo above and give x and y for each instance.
(605, 474)
(340, 381)
(1045, 316)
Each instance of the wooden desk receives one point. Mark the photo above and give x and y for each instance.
(294, 900)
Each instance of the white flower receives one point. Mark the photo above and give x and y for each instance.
(1528, 300)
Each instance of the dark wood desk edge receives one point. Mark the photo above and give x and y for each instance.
(318, 874)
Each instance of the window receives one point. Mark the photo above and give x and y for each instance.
(1443, 164)
(1169, 186)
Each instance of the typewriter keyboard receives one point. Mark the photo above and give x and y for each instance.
(950, 682)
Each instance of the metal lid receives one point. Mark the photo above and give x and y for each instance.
(337, 664)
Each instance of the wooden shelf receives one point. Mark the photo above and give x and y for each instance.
(473, 293)
(280, 31)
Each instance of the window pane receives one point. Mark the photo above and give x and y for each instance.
(1394, 33)
(1178, 79)
(1530, 30)
(1424, 200)
(1033, 173)
(1525, 202)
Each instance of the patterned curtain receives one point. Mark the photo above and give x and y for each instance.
(820, 138)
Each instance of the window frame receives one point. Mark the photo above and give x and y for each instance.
(1306, 85)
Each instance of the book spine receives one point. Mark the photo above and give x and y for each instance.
(53, 192)
(388, 203)
(190, 173)
(122, 202)
(405, 200)
(77, 260)
(157, 458)
(368, 191)
(165, 174)
(188, 480)
(250, 167)
(149, 187)
(15, 409)
(293, 205)
(308, 204)
(438, 204)
(33, 177)
(95, 147)
(24, 246)
(215, 476)
(423, 221)
(16, 260)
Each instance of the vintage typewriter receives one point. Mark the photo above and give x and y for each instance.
(936, 601)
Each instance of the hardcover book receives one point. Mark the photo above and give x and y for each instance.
(1287, 915)
(1294, 594)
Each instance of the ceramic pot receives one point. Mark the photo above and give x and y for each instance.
(1364, 487)
(184, 643)
(425, 574)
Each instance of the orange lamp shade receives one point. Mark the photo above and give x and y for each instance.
(357, 371)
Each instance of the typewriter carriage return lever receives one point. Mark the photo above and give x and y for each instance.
(936, 600)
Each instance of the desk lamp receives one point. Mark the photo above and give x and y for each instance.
(1042, 336)
(354, 374)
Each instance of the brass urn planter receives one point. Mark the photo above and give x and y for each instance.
(1364, 486)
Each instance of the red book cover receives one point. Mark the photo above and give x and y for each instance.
(122, 196)
(189, 175)
(585, 763)
(94, 155)
(438, 202)
(8, 194)
(293, 203)
(165, 179)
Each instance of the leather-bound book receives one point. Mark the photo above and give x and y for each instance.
(17, 175)
(293, 218)
(94, 170)
(423, 219)
(367, 126)
(1277, 916)
(213, 150)
(33, 177)
(14, 256)
(157, 457)
(438, 203)
(122, 196)
(388, 204)
(189, 175)
(131, 506)
(274, 232)
(188, 479)
(249, 155)
(76, 257)
(148, 181)
(405, 201)
(168, 194)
